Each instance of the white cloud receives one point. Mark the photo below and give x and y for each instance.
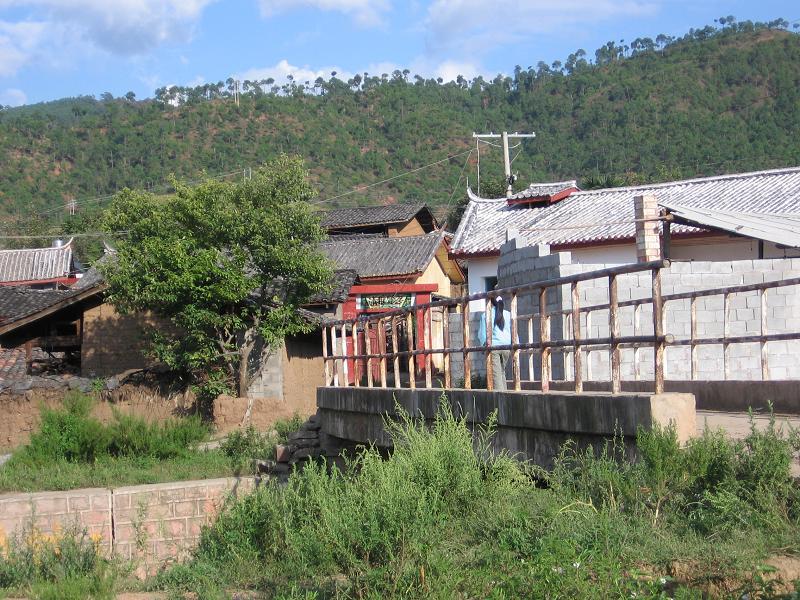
(123, 27)
(281, 70)
(475, 26)
(366, 13)
(18, 42)
(13, 97)
(448, 70)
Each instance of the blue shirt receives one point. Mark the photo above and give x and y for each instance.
(500, 337)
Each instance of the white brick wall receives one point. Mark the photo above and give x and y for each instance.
(528, 264)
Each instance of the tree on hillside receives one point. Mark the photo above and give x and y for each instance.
(226, 264)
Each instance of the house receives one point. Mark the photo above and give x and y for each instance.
(84, 330)
(599, 226)
(51, 267)
(393, 220)
(398, 272)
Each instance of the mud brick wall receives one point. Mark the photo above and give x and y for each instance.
(53, 513)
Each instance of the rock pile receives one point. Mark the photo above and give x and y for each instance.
(304, 445)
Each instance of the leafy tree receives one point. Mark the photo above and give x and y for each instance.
(226, 264)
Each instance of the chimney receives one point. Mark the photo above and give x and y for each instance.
(648, 243)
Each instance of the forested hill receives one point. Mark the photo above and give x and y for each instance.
(717, 100)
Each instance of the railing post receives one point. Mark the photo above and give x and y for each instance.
(658, 330)
(544, 337)
(613, 327)
(530, 352)
(335, 363)
(465, 336)
(345, 366)
(325, 361)
(395, 349)
(515, 341)
(725, 335)
(426, 337)
(693, 329)
(368, 345)
(576, 338)
(381, 339)
(446, 343)
(356, 352)
(764, 355)
(637, 329)
(488, 352)
(412, 375)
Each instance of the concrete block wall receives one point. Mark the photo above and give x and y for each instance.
(147, 524)
(162, 522)
(520, 264)
(52, 513)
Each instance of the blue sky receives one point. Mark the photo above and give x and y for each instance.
(51, 49)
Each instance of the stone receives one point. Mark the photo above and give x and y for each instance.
(112, 383)
(283, 453)
(302, 435)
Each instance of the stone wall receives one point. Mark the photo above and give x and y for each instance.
(151, 525)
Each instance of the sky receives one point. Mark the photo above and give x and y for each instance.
(52, 49)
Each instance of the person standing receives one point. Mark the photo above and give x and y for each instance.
(501, 336)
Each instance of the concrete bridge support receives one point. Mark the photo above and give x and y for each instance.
(531, 424)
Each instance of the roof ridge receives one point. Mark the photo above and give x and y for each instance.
(707, 179)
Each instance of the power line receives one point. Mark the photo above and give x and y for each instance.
(371, 185)
(71, 235)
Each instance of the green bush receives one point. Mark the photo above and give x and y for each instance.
(71, 434)
(241, 446)
(67, 563)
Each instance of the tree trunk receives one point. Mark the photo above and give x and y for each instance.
(244, 374)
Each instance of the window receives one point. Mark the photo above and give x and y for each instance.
(489, 283)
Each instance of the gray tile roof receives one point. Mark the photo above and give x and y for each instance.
(587, 217)
(543, 190)
(782, 229)
(344, 218)
(35, 264)
(384, 257)
(341, 283)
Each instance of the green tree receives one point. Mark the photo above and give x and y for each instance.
(227, 264)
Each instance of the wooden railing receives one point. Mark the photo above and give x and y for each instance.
(341, 339)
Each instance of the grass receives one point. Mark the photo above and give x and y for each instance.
(73, 450)
(67, 565)
(443, 517)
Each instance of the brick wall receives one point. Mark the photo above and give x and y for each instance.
(54, 512)
(528, 264)
(159, 523)
(149, 524)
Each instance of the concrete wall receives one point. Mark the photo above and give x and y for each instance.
(528, 264)
(531, 425)
(707, 248)
(149, 524)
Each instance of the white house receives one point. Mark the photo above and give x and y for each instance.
(599, 226)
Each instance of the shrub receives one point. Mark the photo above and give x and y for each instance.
(243, 445)
(45, 562)
(71, 434)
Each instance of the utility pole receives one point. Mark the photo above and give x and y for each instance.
(505, 136)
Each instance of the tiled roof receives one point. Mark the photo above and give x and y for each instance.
(781, 229)
(586, 217)
(544, 190)
(341, 283)
(344, 218)
(35, 264)
(384, 257)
